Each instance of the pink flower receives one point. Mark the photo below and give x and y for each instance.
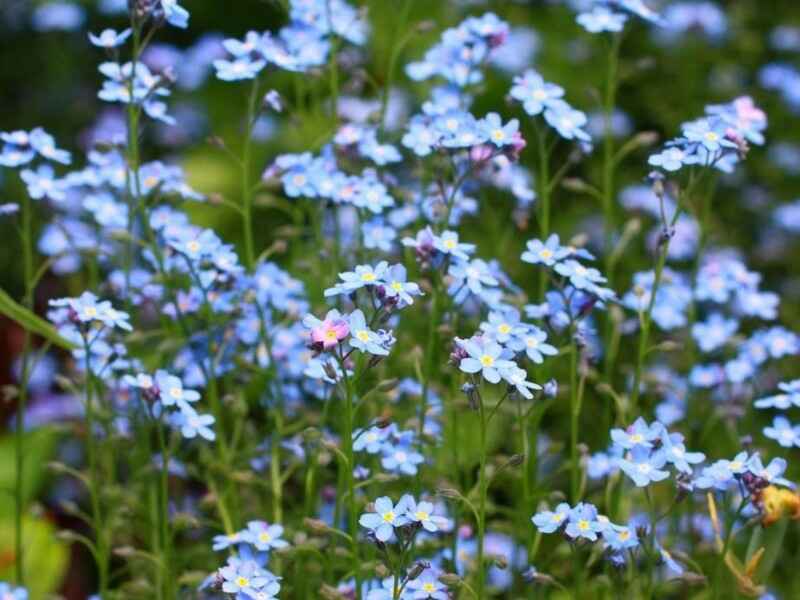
(748, 112)
(330, 332)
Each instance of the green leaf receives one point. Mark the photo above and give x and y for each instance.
(38, 447)
(25, 318)
(44, 558)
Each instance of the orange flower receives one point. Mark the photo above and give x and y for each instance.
(776, 503)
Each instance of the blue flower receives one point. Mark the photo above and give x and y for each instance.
(223, 542)
(782, 401)
(582, 522)
(362, 276)
(498, 134)
(427, 585)
(534, 92)
(175, 14)
(447, 243)
(45, 146)
(474, 274)
(401, 457)
(380, 154)
(579, 276)
(244, 577)
(238, 69)
(675, 453)
(772, 473)
(14, 156)
(720, 473)
(549, 521)
(671, 159)
(667, 559)
(502, 326)
(533, 343)
(422, 513)
(710, 136)
(714, 332)
(7, 592)
(547, 253)
(371, 440)
(518, 378)
(396, 286)
(643, 467)
(601, 19)
(43, 184)
(362, 337)
(783, 432)
(459, 129)
(385, 518)
(378, 236)
(193, 424)
(485, 358)
(109, 38)
(171, 391)
(87, 309)
(567, 121)
(243, 48)
(264, 537)
(420, 138)
(620, 538)
(638, 434)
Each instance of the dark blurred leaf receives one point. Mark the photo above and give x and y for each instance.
(30, 321)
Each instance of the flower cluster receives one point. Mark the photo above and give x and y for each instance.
(716, 140)
(583, 522)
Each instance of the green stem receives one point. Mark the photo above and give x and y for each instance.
(101, 554)
(19, 432)
(646, 318)
(247, 191)
(544, 199)
(333, 66)
(482, 492)
(608, 151)
(575, 410)
(396, 49)
(347, 440)
(163, 513)
(718, 584)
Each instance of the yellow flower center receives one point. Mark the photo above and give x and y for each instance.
(421, 515)
(388, 517)
(193, 246)
(368, 277)
(546, 253)
(363, 335)
(487, 361)
(396, 286)
(175, 392)
(624, 535)
(428, 587)
(449, 244)
(264, 537)
(498, 135)
(242, 581)
(583, 525)
(504, 328)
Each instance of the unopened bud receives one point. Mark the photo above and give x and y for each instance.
(450, 579)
